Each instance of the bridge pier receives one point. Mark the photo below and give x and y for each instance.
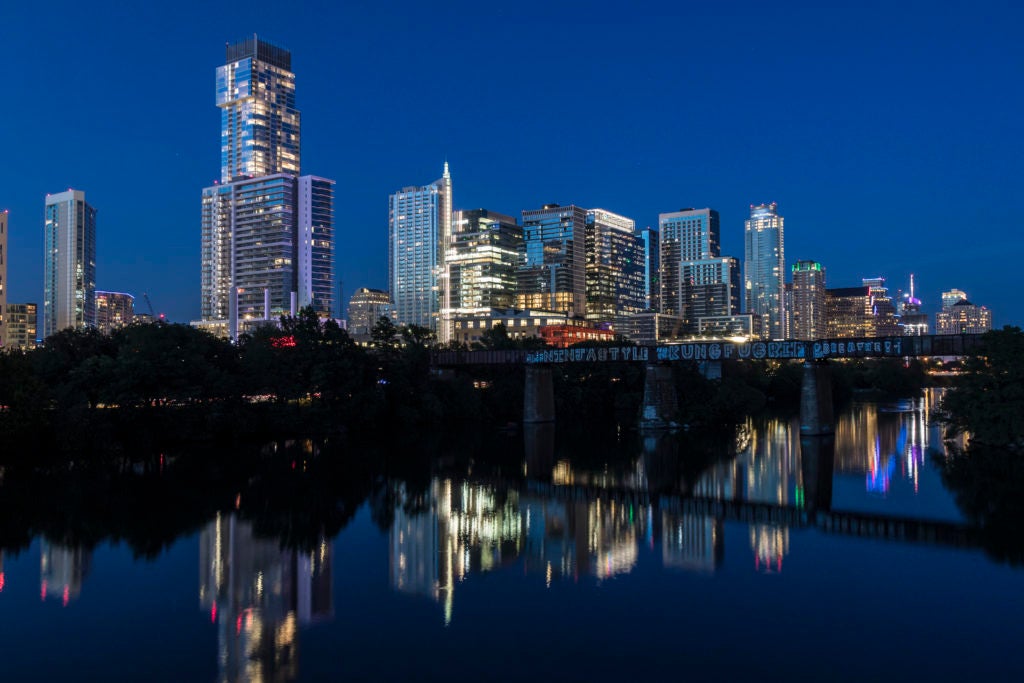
(538, 396)
(816, 416)
(539, 449)
(660, 408)
(817, 464)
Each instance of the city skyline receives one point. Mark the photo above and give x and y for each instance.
(820, 146)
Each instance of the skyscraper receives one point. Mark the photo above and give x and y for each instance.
(69, 266)
(419, 230)
(615, 268)
(883, 310)
(652, 269)
(764, 268)
(807, 313)
(960, 316)
(481, 261)
(259, 121)
(552, 273)
(365, 309)
(267, 233)
(3, 278)
(696, 280)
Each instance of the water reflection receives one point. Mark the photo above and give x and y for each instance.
(259, 595)
(62, 570)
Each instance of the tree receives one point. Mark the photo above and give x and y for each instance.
(988, 399)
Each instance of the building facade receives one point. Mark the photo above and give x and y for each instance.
(883, 310)
(419, 230)
(652, 269)
(684, 236)
(365, 308)
(114, 310)
(848, 312)
(259, 121)
(963, 317)
(552, 273)
(267, 233)
(481, 261)
(615, 268)
(3, 278)
(807, 312)
(21, 323)
(764, 268)
(69, 263)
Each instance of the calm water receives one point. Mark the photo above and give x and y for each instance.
(569, 562)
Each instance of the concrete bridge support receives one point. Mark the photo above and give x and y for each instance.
(816, 416)
(660, 409)
(539, 450)
(538, 396)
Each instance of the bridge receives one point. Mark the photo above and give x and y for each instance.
(660, 403)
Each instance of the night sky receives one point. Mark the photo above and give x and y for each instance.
(889, 133)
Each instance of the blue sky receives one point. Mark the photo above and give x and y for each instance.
(890, 136)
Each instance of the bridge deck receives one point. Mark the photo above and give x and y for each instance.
(822, 349)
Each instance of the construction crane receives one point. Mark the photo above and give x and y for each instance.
(149, 305)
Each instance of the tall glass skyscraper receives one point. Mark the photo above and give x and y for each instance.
(259, 121)
(615, 268)
(419, 232)
(552, 274)
(267, 233)
(69, 263)
(807, 315)
(481, 262)
(652, 269)
(765, 268)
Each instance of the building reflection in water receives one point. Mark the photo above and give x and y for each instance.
(693, 543)
(259, 594)
(62, 570)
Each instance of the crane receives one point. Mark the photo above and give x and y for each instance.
(149, 305)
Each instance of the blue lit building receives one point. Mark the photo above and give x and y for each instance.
(419, 232)
(765, 268)
(652, 269)
(615, 268)
(552, 273)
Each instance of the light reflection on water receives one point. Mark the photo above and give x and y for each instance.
(570, 522)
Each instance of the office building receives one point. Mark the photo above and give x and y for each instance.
(3, 278)
(684, 235)
(652, 269)
(883, 310)
(913, 321)
(259, 121)
(764, 268)
(419, 230)
(963, 317)
(615, 268)
(552, 273)
(848, 312)
(807, 309)
(365, 308)
(481, 261)
(114, 310)
(69, 263)
(952, 296)
(20, 321)
(710, 289)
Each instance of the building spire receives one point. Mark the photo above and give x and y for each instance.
(446, 175)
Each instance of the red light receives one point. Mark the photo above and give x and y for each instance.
(238, 624)
(283, 342)
(67, 595)
(1, 582)
(213, 612)
(42, 592)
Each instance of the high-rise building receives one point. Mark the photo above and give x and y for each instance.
(765, 268)
(848, 312)
(963, 317)
(685, 235)
(69, 266)
(267, 249)
(365, 309)
(615, 268)
(20, 321)
(652, 269)
(267, 233)
(952, 296)
(552, 273)
(883, 311)
(419, 230)
(259, 121)
(3, 278)
(913, 320)
(807, 313)
(710, 288)
(481, 260)
(114, 310)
